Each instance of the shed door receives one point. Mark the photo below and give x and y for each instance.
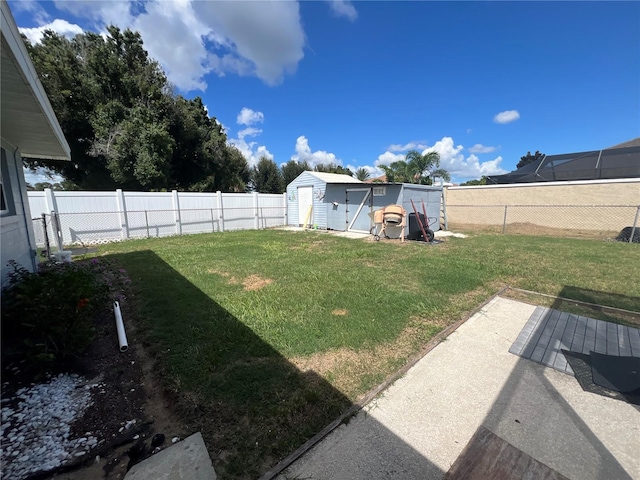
(358, 209)
(305, 201)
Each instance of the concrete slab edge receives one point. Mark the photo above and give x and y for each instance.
(354, 409)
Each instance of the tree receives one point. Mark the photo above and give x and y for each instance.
(292, 169)
(333, 168)
(362, 174)
(63, 185)
(266, 177)
(528, 158)
(481, 181)
(125, 126)
(416, 168)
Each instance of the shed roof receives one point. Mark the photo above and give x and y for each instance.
(334, 177)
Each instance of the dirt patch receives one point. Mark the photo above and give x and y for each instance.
(339, 312)
(343, 367)
(128, 407)
(231, 280)
(255, 282)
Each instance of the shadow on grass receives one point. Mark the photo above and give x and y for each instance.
(252, 406)
(600, 301)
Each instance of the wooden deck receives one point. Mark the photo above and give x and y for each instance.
(548, 331)
(487, 456)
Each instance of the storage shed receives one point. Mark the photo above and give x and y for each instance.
(332, 201)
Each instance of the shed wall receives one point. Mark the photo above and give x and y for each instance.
(337, 214)
(431, 196)
(306, 179)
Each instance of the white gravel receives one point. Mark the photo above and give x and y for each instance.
(36, 425)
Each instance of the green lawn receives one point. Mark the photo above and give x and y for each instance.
(267, 336)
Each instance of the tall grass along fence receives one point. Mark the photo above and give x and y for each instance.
(621, 222)
(88, 218)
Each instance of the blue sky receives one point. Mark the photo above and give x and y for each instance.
(359, 83)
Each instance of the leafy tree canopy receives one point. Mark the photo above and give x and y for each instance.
(266, 177)
(416, 168)
(292, 169)
(362, 174)
(528, 158)
(124, 124)
(481, 181)
(63, 185)
(333, 168)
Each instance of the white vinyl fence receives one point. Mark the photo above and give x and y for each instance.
(87, 218)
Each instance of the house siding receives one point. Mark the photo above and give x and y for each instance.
(16, 236)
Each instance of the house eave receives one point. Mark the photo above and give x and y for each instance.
(28, 120)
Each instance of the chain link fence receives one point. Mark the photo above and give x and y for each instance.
(54, 231)
(619, 222)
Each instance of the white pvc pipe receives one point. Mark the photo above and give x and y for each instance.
(122, 336)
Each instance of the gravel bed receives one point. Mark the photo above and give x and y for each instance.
(36, 425)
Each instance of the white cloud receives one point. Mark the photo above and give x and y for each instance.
(38, 14)
(397, 147)
(265, 36)
(192, 38)
(374, 172)
(249, 117)
(61, 27)
(479, 148)
(304, 154)
(250, 149)
(507, 116)
(343, 8)
(387, 158)
(173, 35)
(461, 168)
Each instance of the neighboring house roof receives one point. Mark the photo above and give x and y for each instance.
(610, 163)
(334, 177)
(28, 120)
(382, 178)
(630, 143)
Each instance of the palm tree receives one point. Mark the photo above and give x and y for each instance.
(362, 174)
(423, 166)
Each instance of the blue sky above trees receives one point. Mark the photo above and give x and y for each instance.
(360, 83)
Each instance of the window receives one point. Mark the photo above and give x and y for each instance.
(379, 191)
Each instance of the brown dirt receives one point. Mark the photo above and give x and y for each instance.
(339, 312)
(132, 391)
(254, 282)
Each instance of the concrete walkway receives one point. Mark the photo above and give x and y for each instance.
(417, 428)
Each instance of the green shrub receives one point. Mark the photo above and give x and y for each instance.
(49, 316)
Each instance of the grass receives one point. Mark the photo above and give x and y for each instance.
(267, 336)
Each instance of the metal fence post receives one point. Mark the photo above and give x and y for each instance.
(504, 222)
(635, 222)
(146, 222)
(46, 235)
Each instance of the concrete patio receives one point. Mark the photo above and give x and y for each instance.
(419, 426)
